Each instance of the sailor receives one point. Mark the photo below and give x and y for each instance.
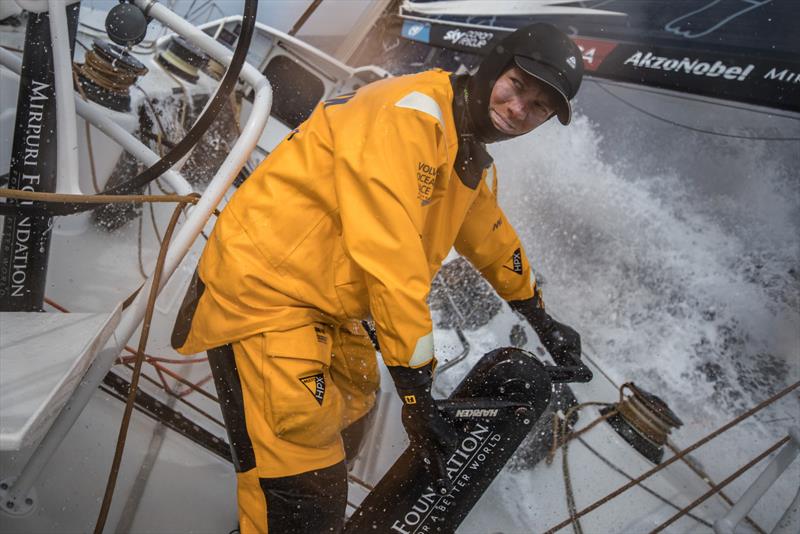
(349, 219)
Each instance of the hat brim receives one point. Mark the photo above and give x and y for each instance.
(546, 74)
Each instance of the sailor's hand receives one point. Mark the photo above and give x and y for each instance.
(561, 341)
(431, 437)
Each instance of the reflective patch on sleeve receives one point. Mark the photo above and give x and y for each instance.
(423, 352)
(422, 102)
(491, 179)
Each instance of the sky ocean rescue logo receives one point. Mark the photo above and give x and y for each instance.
(468, 38)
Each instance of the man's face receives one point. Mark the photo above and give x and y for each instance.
(519, 102)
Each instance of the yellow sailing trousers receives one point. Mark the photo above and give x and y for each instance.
(299, 390)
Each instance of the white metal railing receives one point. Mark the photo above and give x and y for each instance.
(103, 120)
(18, 491)
(66, 123)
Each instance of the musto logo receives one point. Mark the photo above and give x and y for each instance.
(689, 66)
(470, 456)
(468, 38)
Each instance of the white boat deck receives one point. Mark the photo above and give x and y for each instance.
(43, 357)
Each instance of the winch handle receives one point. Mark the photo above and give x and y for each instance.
(569, 373)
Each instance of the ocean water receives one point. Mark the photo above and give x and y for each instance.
(686, 275)
(676, 255)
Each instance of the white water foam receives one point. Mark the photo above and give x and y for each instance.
(681, 272)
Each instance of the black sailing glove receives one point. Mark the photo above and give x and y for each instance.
(561, 341)
(431, 437)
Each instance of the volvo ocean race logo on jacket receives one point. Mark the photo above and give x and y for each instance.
(688, 65)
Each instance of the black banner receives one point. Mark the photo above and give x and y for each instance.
(25, 245)
(493, 408)
(764, 82)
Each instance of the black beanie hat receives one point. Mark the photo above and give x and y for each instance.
(541, 50)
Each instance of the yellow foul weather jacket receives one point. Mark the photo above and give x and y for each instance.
(350, 217)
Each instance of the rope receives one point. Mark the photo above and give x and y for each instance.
(123, 431)
(192, 137)
(632, 416)
(184, 90)
(707, 479)
(179, 64)
(186, 402)
(721, 485)
(153, 218)
(163, 189)
(214, 69)
(190, 385)
(107, 199)
(237, 112)
(562, 430)
(95, 199)
(149, 105)
(677, 457)
(214, 105)
(572, 435)
(650, 421)
(87, 129)
(160, 359)
(139, 233)
(115, 76)
(658, 496)
(570, 494)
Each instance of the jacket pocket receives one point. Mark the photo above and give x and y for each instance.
(302, 405)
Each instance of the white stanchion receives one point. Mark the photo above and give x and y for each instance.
(67, 175)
